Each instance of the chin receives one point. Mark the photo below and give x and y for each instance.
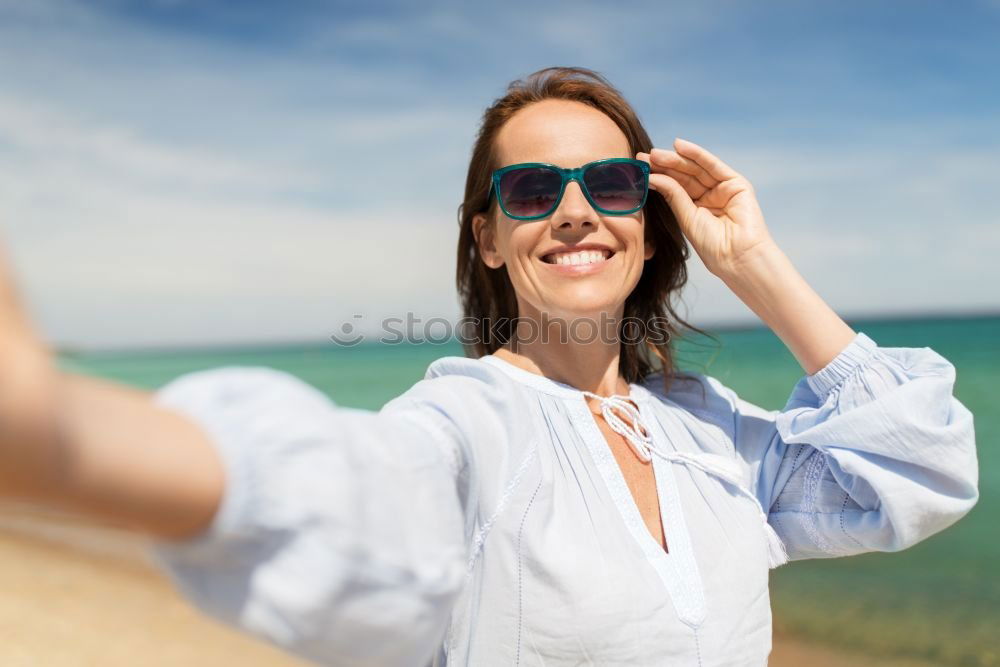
(582, 304)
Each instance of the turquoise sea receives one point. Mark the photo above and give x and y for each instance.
(938, 601)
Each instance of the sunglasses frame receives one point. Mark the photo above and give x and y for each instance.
(567, 175)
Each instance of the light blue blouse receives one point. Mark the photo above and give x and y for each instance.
(481, 519)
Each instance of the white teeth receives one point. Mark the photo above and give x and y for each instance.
(579, 257)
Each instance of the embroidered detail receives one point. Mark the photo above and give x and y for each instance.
(520, 598)
(477, 545)
(810, 500)
(843, 528)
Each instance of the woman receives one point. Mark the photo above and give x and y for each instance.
(562, 497)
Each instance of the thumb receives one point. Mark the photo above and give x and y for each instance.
(677, 197)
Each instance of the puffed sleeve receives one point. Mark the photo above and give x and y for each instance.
(340, 536)
(871, 453)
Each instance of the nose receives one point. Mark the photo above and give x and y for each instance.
(574, 211)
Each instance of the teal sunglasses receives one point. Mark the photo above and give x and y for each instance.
(533, 190)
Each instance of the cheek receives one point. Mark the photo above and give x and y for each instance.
(634, 263)
(633, 237)
(517, 244)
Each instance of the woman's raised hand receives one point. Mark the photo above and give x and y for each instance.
(715, 206)
(718, 212)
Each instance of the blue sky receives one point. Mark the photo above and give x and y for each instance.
(199, 172)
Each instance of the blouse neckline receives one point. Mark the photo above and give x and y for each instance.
(548, 385)
(677, 569)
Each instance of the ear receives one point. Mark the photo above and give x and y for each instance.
(485, 234)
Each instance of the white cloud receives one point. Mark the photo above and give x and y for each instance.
(55, 140)
(226, 271)
(156, 187)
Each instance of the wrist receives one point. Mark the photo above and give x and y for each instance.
(763, 259)
(27, 414)
(769, 284)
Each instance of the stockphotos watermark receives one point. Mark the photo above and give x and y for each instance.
(501, 331)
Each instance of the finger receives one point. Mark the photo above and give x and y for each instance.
(678, 199)
(709, 162)
(693, 186)
(721, 195)
(665, 158)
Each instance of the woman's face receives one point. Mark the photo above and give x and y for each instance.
(609, 250)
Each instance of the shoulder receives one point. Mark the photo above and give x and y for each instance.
(697, 393)
(467, 394)
(463, 380)
(708, 400)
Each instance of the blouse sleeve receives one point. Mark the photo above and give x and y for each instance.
(340, 536)
(871, 453)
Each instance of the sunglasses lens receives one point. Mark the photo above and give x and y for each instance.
(616, 186)
(530, 191)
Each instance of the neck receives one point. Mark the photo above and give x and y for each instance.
(573, 350)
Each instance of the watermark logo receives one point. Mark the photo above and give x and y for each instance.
(502, 331)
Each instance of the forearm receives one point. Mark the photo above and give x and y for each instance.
(769, 284)
(106, 451)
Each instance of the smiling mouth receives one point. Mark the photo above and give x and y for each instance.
(578, 257)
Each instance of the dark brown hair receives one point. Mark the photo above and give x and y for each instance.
(487, 295)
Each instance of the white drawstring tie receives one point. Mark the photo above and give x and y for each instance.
(636, 433)
(639, 437)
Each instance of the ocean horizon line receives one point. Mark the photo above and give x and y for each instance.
(276, 345)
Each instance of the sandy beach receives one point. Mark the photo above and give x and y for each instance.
(77, 594)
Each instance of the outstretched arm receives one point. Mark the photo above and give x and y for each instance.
(94, 447)
(336, 534)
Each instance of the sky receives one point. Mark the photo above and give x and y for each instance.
(185, 173)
